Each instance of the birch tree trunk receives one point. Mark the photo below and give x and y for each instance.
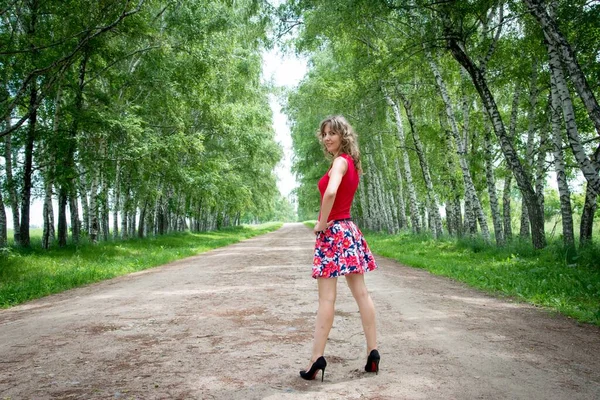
(85, 201)
(540, 167)
(529, 160)
(125, 212)
(3, 227)
(93, 210)
(142, 220)
(454, 216)
(380, 188)
(11, 186)
(74, 211)
(432, 205)
(117, 198)
(362, 198)
(507, 191)
(150, 218)
(470, 192)
(402, 220)
(587, 217)
(506, 207)
(524, 230)
(561, 47)
(589, 210)
(62, 219)
(132, 218)
(589, 168)
(48, 234)
(68, 181)
(523, 178)
(374, 206)
(491, 184)
(412, 196)
(374, 199)
(28, 169)
(30, 136)
(559, 167)
(104, 209)
(391, 210)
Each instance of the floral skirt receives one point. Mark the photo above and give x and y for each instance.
(341, 249)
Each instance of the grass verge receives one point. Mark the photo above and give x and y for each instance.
(550, 278)
(27, 274)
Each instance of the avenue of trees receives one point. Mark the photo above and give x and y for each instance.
(133, 117)
(469, 113)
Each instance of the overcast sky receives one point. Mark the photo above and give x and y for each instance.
(283, 70)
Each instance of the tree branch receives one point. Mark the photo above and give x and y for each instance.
(62, 64)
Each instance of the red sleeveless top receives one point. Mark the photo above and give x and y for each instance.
(345, 192)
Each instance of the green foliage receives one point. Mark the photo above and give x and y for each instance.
(27, 274)
(358, 48)
(550, 278)
(164, 107)
(551, 203)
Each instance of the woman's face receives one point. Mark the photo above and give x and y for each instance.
(331, 140)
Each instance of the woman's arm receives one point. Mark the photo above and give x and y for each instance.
(337, 172)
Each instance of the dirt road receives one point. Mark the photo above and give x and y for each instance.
(236, 323)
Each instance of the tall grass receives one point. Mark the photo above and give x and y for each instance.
(27, 274)
(554, 277)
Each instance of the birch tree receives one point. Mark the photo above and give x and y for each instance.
(558, 44)
(559, 167)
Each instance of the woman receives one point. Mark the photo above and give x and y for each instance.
(340, 248)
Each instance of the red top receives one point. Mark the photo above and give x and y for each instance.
(345, 192)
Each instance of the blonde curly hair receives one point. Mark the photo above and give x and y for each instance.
(339, 125)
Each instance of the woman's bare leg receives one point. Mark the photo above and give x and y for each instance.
(356, 283)
(325, 313)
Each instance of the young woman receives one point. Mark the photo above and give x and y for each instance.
(340, 248)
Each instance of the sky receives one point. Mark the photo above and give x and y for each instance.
(284, 70)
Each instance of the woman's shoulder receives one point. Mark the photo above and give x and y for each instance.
(348, 158)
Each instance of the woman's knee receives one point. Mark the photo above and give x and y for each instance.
(327, 299)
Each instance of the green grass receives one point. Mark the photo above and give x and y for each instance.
(552, 278)
(27, 274)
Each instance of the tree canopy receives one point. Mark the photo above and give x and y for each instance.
(148, 113)
(462, 109)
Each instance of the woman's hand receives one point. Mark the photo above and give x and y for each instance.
(320, 226)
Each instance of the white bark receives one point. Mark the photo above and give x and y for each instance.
(390, 201)
(491, 185)
(403, 221)
(13, 198)
(564, 192)
(559, 44)
(506, 195)
(412, 196)
(125, 214)
(470, 192)
(589, 168)
(376, 209)
(48, 234)
(3, 227)
(93, 209)
(362, 198)
(385, 209)
(117, 198)
(522, 177)
(432, 203)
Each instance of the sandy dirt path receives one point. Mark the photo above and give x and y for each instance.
(236, 323)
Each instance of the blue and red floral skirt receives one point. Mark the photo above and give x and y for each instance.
(341, 249)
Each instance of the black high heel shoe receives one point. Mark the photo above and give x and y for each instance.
(373, 362)
(320, 364)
